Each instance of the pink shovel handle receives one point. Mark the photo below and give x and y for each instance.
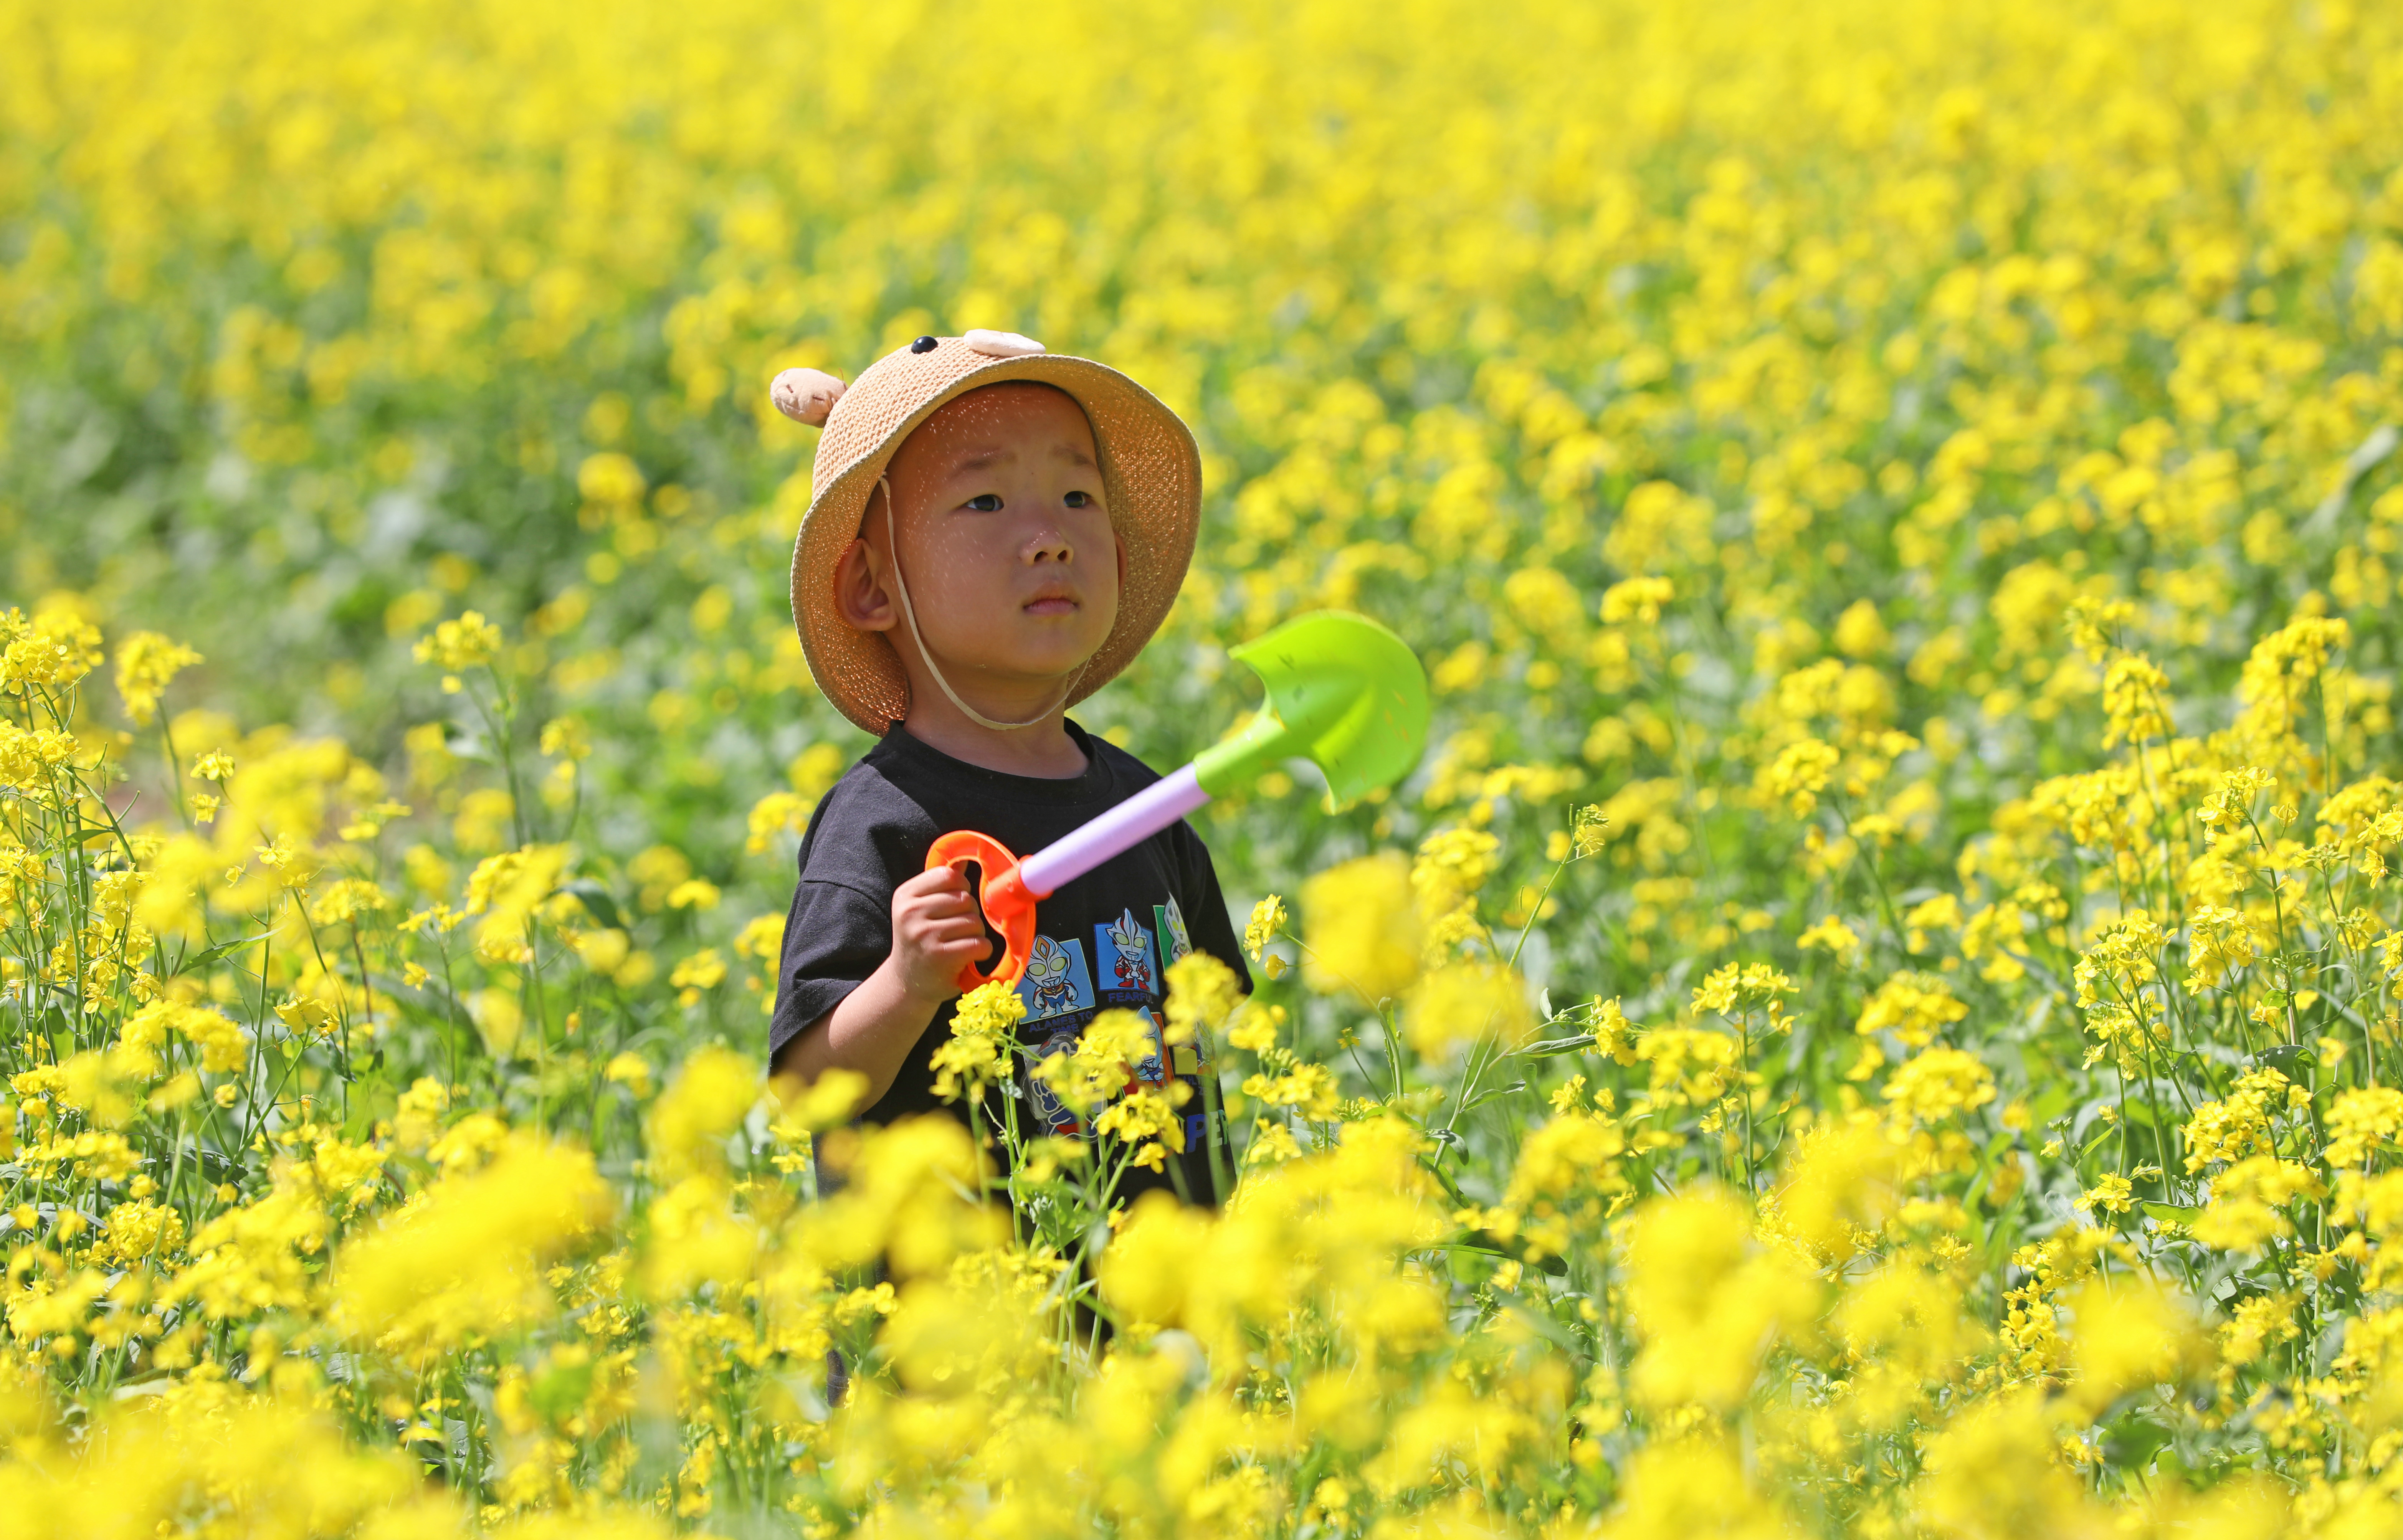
(1114, 833)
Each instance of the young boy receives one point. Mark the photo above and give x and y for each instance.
(994, 533)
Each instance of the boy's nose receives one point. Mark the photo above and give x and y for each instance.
(1051, 544)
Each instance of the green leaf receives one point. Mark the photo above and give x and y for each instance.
(597, 901)
(201, 959)
(1487, 1244)
(1495, 1250)
(2286, 1058)
(2131, 1442)
(1552, 1046)
(1484, 1096)
(560, 1391)
(1515, 1250)
(2173, 1214)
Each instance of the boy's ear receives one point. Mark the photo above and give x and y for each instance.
(859, 595)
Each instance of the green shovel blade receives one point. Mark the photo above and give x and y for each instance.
(1343, 692)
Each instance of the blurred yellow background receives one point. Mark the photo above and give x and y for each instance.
(1898, 502)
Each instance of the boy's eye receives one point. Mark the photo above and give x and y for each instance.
(986, 502)
(1080, 499)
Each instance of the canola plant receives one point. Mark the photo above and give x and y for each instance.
(1878, 1017)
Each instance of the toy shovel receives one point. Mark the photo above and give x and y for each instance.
(1343, 691)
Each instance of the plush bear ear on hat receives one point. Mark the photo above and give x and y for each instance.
(805, 395)
(1000, 344)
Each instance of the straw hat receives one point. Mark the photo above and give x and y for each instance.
(1151, 480)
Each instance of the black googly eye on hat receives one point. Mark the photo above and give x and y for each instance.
(924, 344)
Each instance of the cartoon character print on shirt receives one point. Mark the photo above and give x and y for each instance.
(1129, 977)
(1055, 982)
(1175, 943)
(1152, 1069)
(1047, 1106)
(1056, 987)
(1125, 948)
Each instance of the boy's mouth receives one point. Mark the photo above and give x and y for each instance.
(1050, 602)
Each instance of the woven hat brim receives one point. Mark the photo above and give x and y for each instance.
(1151, 480)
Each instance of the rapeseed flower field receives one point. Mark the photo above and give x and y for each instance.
(1878, 1016)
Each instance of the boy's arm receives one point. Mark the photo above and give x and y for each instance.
(873, 1029)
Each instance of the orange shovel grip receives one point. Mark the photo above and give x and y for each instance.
(1008, 908)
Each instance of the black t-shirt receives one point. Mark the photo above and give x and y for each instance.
(1101, 941)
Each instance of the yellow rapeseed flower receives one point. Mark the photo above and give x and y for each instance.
(146, 663)
(1361, 928)
(465, 643)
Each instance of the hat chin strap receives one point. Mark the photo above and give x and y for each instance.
(926, 656)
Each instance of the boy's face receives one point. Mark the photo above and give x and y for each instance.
(1011, 563)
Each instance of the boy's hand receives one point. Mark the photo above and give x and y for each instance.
(873, 1029)
(935, 927)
